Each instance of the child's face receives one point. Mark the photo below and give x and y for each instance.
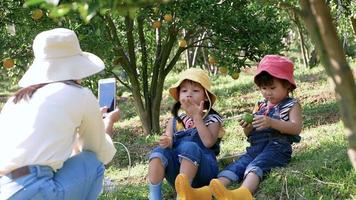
(191, 90)
(275, 92)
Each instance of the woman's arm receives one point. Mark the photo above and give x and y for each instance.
(109, 121)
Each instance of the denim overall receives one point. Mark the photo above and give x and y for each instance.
(188, 145)
(268, 148)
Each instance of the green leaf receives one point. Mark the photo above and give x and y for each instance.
(32, 2)
(60, 11)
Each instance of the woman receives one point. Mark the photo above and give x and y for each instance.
(51, 115)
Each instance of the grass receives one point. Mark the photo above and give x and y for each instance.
(319, 168)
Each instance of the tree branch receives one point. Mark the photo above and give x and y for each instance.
(130, 44)
(121, 81)
(114, 37)
(144, 57)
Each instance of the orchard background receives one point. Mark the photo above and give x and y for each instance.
(146, 43)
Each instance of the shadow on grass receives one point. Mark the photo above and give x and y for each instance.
(319, 173)
(320, 114)
(135, 191)
(311, 77)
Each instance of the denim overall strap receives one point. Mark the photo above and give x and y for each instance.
(174, 124)
(190, 134)
(269, 133)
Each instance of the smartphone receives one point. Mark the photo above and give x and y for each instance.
(107, 93)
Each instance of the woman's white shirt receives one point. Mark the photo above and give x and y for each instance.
(43, 129)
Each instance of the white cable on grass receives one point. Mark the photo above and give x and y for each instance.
(232, 117)
(129, 157)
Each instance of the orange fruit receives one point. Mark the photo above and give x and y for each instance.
(8, 63)
(247, 117)
(182, 43)
(223, 70)
(212, 60)
(235, 75)
(168, 17)
(156, 24)
(37, 14)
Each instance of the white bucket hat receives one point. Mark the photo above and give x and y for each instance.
(58, 57)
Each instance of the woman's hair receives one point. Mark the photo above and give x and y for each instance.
(27, 92)
(265, 79)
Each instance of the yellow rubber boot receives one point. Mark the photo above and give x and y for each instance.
(221, 193)
(186, 192)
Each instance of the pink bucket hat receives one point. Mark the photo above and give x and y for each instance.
(277, 66)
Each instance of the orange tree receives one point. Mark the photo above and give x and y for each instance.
(141, 40)
(18, 25)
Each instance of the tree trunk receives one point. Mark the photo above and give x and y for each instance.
(318, 21)
(353, 22)
(188, 58)
(302, 45)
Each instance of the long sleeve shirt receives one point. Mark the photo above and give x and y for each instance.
(42, 130)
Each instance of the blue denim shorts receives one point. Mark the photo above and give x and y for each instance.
(259, 158)
(81, 177)
(171, 158)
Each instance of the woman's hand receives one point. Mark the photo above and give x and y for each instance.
(261, 122)
(165, 141)
(110, 119)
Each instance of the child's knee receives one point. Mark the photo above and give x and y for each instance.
(157, 158)
(189, 148)
(190, 151)
(254, 169)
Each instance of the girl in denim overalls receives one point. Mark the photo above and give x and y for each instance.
(276, 125)
(187, 151)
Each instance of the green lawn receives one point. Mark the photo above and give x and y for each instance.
(319, 169)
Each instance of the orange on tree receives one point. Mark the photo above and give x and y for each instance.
(8, 63)
(235, 75)
(37, 14)
(182, 43)
(156, 24)
(212, 60)
(168, 17)
(223, 70)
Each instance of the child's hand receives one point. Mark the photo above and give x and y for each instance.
(191, 108)
(165, 141)
(261, 122)
(244, 124)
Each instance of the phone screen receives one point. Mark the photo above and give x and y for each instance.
(107, 93)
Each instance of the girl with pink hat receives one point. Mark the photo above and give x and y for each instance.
(277, 123)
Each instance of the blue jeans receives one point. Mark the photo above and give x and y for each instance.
(171, 158)
(259, 158)
(80, 177)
